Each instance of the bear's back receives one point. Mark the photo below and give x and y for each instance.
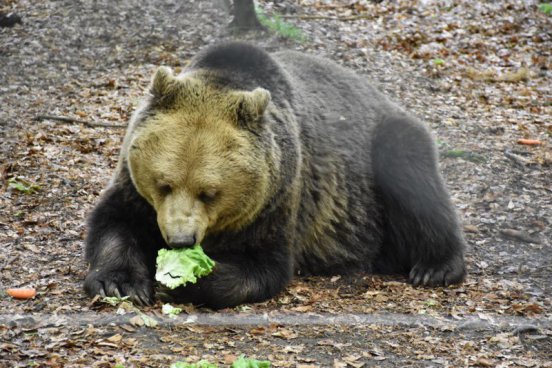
(330, 90)
(313, 86)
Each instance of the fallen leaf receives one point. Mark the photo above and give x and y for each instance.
(285, 334)
(115, 338)
(484, 362)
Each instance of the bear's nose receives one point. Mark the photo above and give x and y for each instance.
(182, 241)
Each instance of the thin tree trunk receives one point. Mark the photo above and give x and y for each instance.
(245, 16)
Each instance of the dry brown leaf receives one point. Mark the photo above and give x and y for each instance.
(303, 308)
(285, 333)
(258, 330)
(352, 360)
(137, 321)
(484, 362)
(115, 338)
(229, 359)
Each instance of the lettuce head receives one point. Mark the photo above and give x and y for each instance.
(243, 362)
(200, 364)
(177, 267)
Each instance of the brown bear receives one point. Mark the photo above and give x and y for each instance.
(278, 164)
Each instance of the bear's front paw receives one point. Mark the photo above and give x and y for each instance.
(120, 283)
(452, 271)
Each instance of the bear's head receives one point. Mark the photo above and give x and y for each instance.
(200, 156)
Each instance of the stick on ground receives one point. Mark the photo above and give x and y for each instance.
(68, 120)
(328, 17)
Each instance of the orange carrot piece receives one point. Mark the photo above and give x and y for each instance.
(529, 142)
(26, 293)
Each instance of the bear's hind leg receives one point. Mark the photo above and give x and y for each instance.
(422, 236)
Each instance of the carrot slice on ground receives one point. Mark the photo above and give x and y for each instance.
(529, 142)
(21, 293)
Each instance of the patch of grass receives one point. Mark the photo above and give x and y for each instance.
(277, 25)
(438, 61)
(431, 303)
(466, 155)
(23, 186)
(546, 8)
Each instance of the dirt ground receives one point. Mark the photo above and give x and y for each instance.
(477, 72)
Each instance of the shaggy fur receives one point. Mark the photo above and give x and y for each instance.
(277, 164)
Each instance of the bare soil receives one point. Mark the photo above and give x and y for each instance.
(478, 73)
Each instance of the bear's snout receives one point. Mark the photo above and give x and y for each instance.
(182, 240)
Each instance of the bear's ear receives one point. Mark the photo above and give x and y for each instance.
(163, 82)
(252, 105)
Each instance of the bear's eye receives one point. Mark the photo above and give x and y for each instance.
(208, 196)
(164, 189)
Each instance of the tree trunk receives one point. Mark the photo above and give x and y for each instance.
(245, 16)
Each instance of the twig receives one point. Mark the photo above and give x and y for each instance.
(521, 161)
(519, 235)
(68, 120)
(543, 267)
(329, 17)
(9, 261)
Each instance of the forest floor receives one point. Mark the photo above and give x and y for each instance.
(478, 73)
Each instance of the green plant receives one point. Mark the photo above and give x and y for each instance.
(23, 185)
(431, 303)
(466, 155)
(546, 8)
(278, 25)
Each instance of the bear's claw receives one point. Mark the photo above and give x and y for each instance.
(120, 284)
(448, 273)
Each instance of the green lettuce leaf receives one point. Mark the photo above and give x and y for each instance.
(177, 267)
(243, 362)
(200, 364)
(170, 310)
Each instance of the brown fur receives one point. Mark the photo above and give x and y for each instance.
(197, 149)
(276, 164)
